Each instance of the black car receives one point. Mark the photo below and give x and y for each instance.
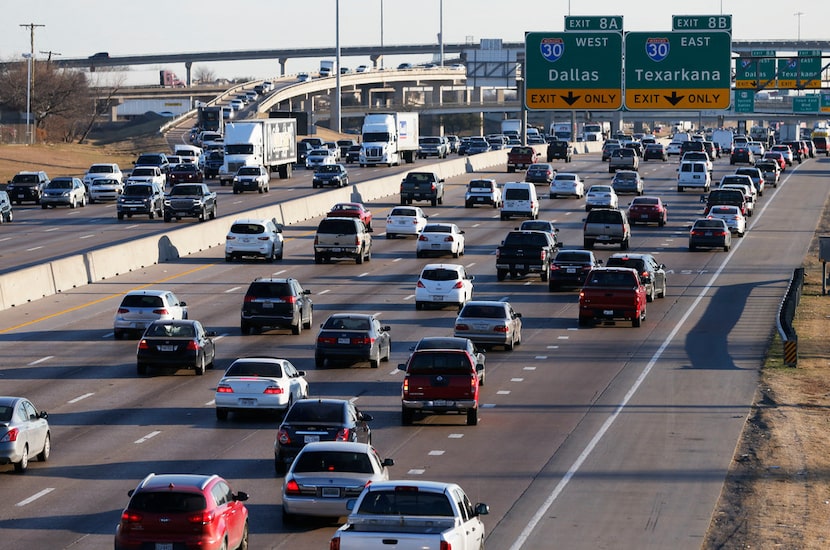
(710, 233)
(353, 154)
(570, 268)
(154, 159)
(655, 151)
(540, 173)
(146, 199)
(652, 273)
(213, 163)
(353, 337)
(278, 303)
(27, 186)
(318, 420)
(627, 181)
(742, 154)
(176, 343)
(330, 174)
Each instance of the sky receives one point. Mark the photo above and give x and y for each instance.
(80, 28)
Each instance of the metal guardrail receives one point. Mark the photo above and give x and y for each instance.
(786, 314)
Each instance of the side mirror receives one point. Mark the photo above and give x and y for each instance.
(210, 333)
(241, 496)
(402, 366)
(306, 291)
(300, 373)
(386, 328)
(481, 509)
(182, 303)
(366, 417)
(387, 462)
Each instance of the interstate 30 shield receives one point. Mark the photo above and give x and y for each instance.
(552, 48)
(657, 49)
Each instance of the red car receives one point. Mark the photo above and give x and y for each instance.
(648, 210)
(186, 511)
(187, 172)
(352, 210)
(777, 157)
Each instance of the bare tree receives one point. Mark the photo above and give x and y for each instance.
(205, 75)
(103, 89)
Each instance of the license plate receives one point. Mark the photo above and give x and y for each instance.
(571, 270)
(344, 340)
(246, 239)
(520, 266)
(336, 250)
(480, 199)
(707, 233)
(311, 438)
(167, 348)
(437, 298)
(480, 327)
(267, 305)
(603, 238)
(164, 546)
(440, 403)
(643, 216)
(247, 402)
(608, 312)
(331, 492)
(436, 246)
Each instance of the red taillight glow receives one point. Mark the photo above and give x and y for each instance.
(131, 517)
(448, 239)
(420, 284)
(143, 344)
(230, 238)
(10, 436)
(334, 544)
(422, 237)
(283, 437)
(462, 326)
(123, 310)
(326, 340)
(343, 435)
(459, 284)
(501, 328)
(248, 299)
(263, 238)
(202, 518)
(224, 388)
(405, 387)
(192, 345)
(273, 390)
(289, 299)
(292, 488)
(162, 311)
(362, 340)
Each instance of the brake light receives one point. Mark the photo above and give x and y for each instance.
(283, 437)
(448, 239)
(420, 284)
(202, 518)
(357, 240)
(128, 517)
(273, 390)
(326, 340)
(192, 345)
(224, 388)
(123, 310)
(162, 311)
(143, 344)
(289, 299)
(343, 435)
(458, 285)
(500, 328)
(292, 488)
(263, 238)
(10, 436)
(362, 340)
(249, 298)
(542, 255)
(334, 544)
(422, 237)
(445, 545)
(405, 387)
(462, 326)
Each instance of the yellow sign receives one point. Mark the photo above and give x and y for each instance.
(610, 98)
(787, 83)
(746, 84)
(679, 99)
(814, 84)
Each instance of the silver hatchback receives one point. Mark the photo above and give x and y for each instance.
(139, 308)
(490, 323)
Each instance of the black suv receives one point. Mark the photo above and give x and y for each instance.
(276, 303)
(559, 150)
(318, 420)
(652, 273)
(141, 198)
(27, 186)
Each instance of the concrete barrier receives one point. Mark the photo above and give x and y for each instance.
(180, 240)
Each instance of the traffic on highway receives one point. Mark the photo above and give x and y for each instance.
(616, 432)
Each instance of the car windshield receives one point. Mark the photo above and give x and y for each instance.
(331, 168)
(644, 202)
(481, 186)
(26, 178)
(186, 190)
(346, 323)
(256, 369)
(187, 167)
(405, 503)
(572, 256)
(101, 169)
(444, 362)
(483, 311)
(709, 224)
(60, 184)
(315, 411)
(248, 228)
(248, 171)
(333, 461)
(440, 274)
(438, 229)
(167, 502)
(403, 212)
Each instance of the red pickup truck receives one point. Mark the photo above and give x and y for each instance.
(520, 157)
(612, 293)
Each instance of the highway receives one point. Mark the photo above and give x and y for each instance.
(602, 437)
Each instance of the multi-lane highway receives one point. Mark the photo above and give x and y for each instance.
(603, 437)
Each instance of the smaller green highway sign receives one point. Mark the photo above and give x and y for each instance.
(584, 23)
(807, 103)
(573, 70)
(701, 22)
(744, 101)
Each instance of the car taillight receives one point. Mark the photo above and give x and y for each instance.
(224, 388)
(249, 298)
(500, 328)
(10, 436)
(230, 238)
(462, 326)
(192, 345)
(432, 187)
(283, 437)
(445, 545)
(273, 390)
(162, 311)
(129, 518)
(326, 340)
(405, 387)
(143, 344)
(542, 255)
(292, 488)
(357, 240)
(263, 238)
(123, 310)
(555, 267)
(448, 239)
(334, 544)
(289, 299)
(201, 518)
(422, 237)
(343, 435)
(362, 340)
(458, 284)
(316, 239)
(420, 284)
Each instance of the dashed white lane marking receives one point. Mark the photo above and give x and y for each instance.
(41, 360)
(503, 392)
(529, 368)
(35, 496)
(416, 472)
(234, 289)
(517, 379)
(455, 436)
(324, 291)
(147, 437)
(80, 398)
(436, 453)
(364, 274)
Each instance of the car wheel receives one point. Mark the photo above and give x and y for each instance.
(141, 369)
(501, 274)
(545, 275)
(279, 466)
(624, 245)
(510, 345)
(214, 212)
(151, 215)
(298, 328)
(650, 295)
(167, 219)
(118, 334)
(456, 253)
(221, 414)
(583, 321)
(638, 320)
(374, 363)
(271, 256)
(243, 543)
(120, 216)
(360, 256)
(200, 367)
(43, 456)
(419, 306)
(390, 235)
(406, 416)
(23, 465)
(472, 417)
(319, 362)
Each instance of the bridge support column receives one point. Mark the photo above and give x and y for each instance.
(309, 109)
(376, 58)
(400, 95)
(188, 68)
(282, 61)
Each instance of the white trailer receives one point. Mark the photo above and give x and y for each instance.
(389, 138)
(269, 142)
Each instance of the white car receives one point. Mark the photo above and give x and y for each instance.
(443, 284)
(483, 191)
(673, 148)
(263, 384)
(249, 237)
(439, 239)
(757, 148)
(147, 174)
(320, 157)
(139, 308)
(236, 104)
(405, 220)
(601, 196)
(337, 471)
(731, 215)
(567, 184)
(103, 170)
(24, 433)
(105, 189)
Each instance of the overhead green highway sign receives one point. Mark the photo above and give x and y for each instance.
(744, 101)
(573, 70)
(807, 103)
(678, 70)
(755, 72)
(701, 22)
(584, 23)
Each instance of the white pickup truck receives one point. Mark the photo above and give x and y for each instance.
(409, 514)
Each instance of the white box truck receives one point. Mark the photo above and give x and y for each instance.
(326, 68)
(512, 127)
(269, 142)
(596, 131)
(389, 138)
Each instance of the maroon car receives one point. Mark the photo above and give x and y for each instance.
(648, 209)
(187, 172)
(352, 210)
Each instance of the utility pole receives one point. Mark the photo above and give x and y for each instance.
(31, 79)
(49, 55)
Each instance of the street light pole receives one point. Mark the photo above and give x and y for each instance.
(441, 31)
(335, 108)
(798, 14)
(28, 58)
(381, 35)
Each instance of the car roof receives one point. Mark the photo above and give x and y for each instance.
(147, 293)
(453, 267)
(337, 446)
(166, 481)
(8, 400)
(442, 342)
(632, 255)
(251, 220)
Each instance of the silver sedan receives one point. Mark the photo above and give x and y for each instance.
(326, 475)
(24, 433)
(490, 323)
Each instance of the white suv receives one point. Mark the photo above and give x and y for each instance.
(103, 170)
(443, 284)
(140, 308)
(254, 237)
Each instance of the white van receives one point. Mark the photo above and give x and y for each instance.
(694, 174)
(519, 199)
(189, 153)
